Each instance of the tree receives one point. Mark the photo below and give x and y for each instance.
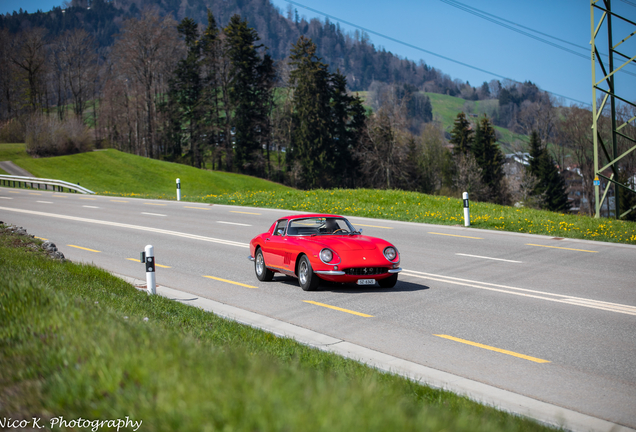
(575, 133)
(347, 126)
(491, 160)
(77, 58)
(387, 145)
(550, 183)
(144, 56)
(28, 54)
(185, 93)
(461, 135)
(250, 91)
(311, 144)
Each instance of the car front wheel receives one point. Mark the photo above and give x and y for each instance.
(388, 282)
(306, 277)
(262, 272)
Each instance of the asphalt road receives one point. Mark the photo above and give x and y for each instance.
(551, 319)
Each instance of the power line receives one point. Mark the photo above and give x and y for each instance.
(421, 49)
(482, 15)
(629, 3)
(497, 20)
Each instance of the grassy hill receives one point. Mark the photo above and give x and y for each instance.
(446, 108)
(114, 172)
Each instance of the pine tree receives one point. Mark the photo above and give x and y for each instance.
(491, 160)
(550, 184)
(311, 149)
(213, 118)
(246, 93)
(461, 135)
(347, 122)
(184, 93)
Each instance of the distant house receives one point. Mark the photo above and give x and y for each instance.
(574, 183)
(515, 166)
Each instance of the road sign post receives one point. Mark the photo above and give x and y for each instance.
(466, 209)
(148, 257)
(178, 189)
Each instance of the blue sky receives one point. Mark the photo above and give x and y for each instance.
(438, 27)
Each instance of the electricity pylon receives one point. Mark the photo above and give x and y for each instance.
(607, 88)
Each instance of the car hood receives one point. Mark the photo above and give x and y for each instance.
(346, 243)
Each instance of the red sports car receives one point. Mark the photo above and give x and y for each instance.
(319, 246)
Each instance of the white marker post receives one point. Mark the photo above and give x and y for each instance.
(150, 269)
(178, 190)
(466, 209)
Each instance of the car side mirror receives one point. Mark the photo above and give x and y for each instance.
(280, 232)
(360, 230)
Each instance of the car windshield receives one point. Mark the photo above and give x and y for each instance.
(319, 226)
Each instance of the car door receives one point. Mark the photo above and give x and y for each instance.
(273, 249)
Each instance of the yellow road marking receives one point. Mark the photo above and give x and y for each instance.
(119, 201)
(374, 226)
(557, 247)
(455, 235)
(488, 347)
(198, 208)
(83, 248)
(154, 204)
(232, 211)
(88, 198)
(158, 265)
(229, 281)
(60, 196)
(14, 192)
(339, 309)
(40, 238)
(34, 193)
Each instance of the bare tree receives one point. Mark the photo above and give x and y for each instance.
(76, 57)
(8, 77)
(576, 133)
(468, 178)
(28, 54)
(383, 153)
(144, 55)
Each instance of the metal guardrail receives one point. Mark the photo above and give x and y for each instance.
(28, 182)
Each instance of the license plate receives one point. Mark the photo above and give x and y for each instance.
(366, 281)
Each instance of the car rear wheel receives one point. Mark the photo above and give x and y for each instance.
(388, 282)
(306, 277)
(262, 272)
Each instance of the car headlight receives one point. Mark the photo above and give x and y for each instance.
(390, 253)
(326, 255)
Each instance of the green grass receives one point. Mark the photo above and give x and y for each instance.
(75, 342)
(117, 173)
(128, 175)
(417, 207)
(446, 108)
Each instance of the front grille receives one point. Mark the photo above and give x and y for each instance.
(366, 271)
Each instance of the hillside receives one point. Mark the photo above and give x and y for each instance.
(114, 172)
(446, 108)
(353, 54)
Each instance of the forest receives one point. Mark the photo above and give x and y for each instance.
(243, 87)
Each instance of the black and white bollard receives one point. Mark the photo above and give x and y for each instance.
(466, 209)
(148, 257)
(178, 189)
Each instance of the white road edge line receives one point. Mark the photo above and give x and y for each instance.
(485, 394)
(130, 226)
(6, 198)
(152, 214)
(45, 202)
(561, 298)
(90, 206)
(489, 258)
(232, 223)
